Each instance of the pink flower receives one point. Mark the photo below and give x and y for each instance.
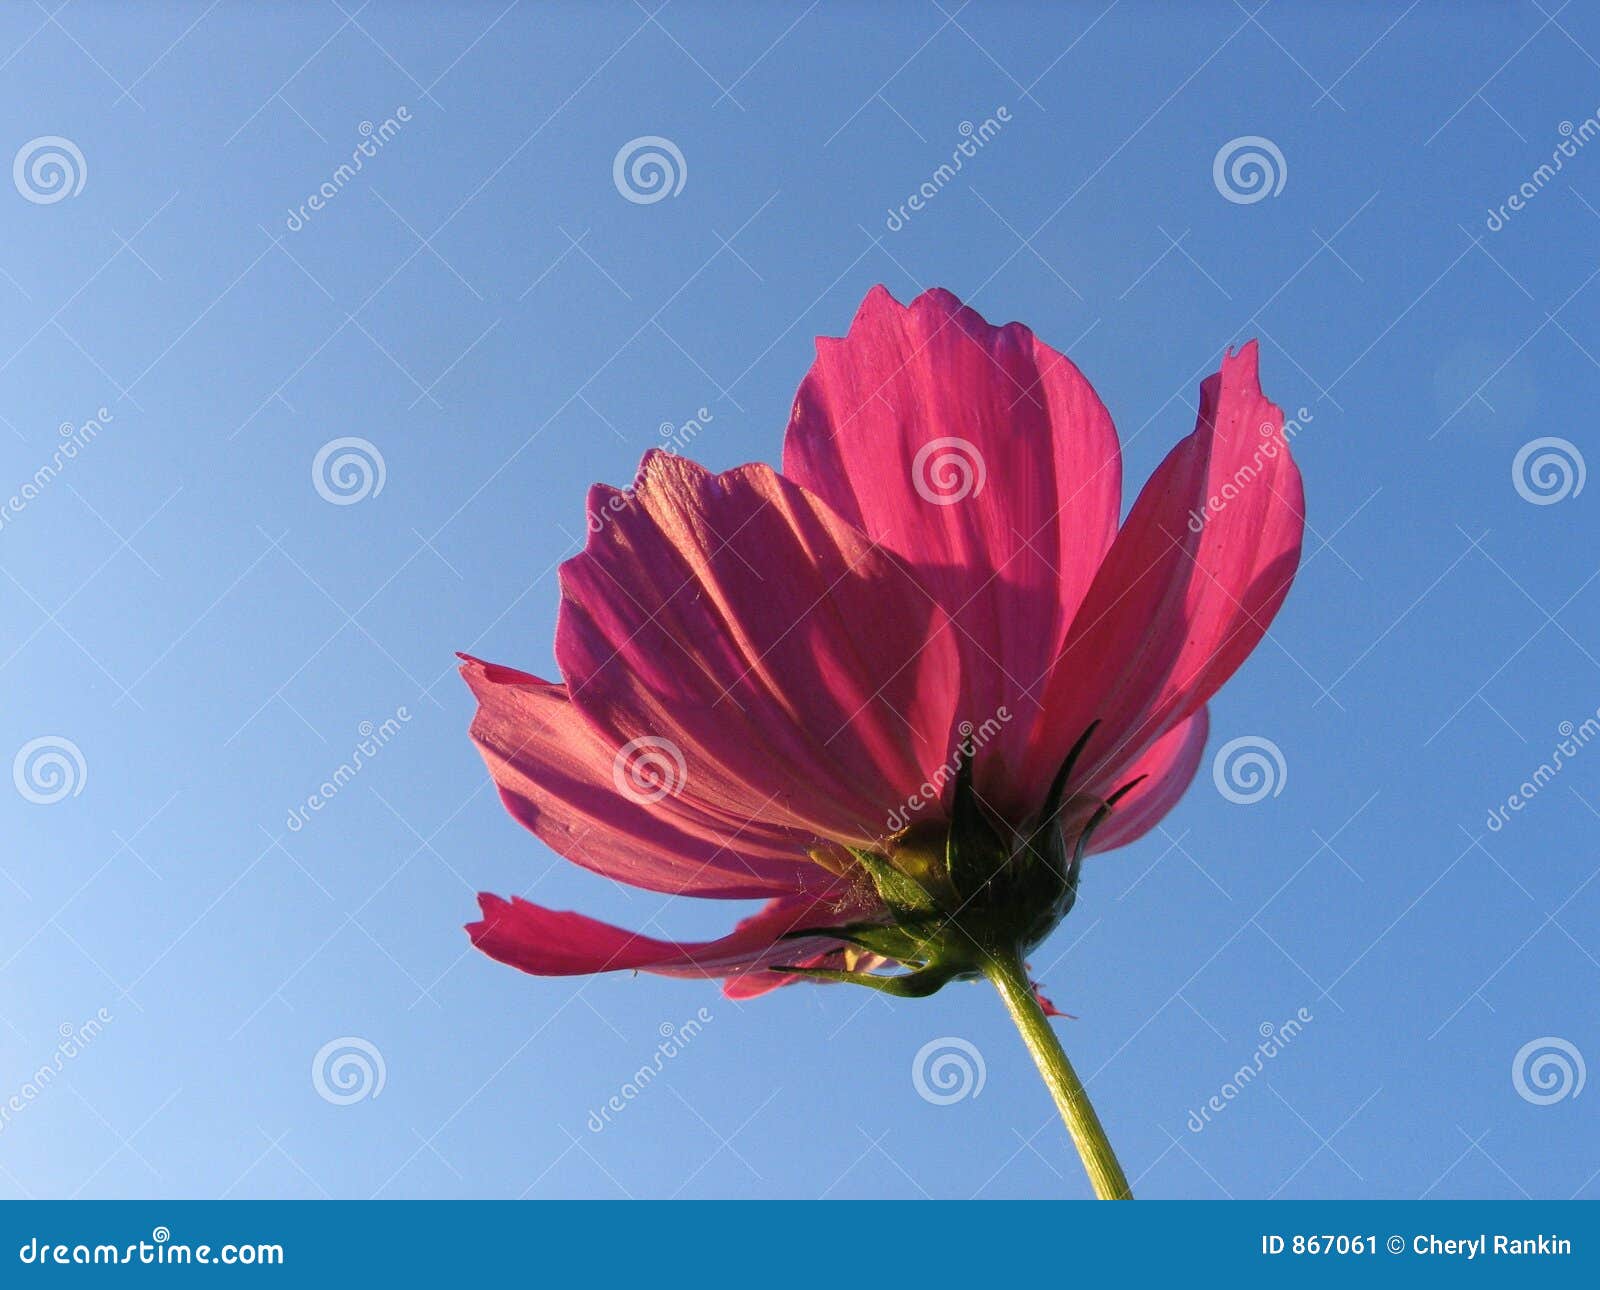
(900, 689)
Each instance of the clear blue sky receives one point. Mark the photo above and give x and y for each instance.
(482, 305)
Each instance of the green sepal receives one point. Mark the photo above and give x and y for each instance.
(880, 938)
(912, 985)
(899, 891)
(974, 848)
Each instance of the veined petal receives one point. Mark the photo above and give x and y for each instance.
(801, 672)
(567, 781)
(1188, 588)
(550, 942)
(986, 459)
(1167, 768)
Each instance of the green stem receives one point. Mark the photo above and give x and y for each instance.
(1099, 1161)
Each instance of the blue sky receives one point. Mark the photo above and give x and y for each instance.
(483, 306)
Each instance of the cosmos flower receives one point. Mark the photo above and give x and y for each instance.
(902, 688)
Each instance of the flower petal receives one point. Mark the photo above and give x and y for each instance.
(986, 459)
(800, 674)
(550, 942)
(1168, 766)
(1188, 588)
(558, 776)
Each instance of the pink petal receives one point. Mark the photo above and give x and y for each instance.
(549, 942)
(802, 673)
(557, 775)
(1167, 766)
(884, 427)
(1187, 590)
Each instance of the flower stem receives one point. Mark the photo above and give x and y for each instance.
(1010, 978)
